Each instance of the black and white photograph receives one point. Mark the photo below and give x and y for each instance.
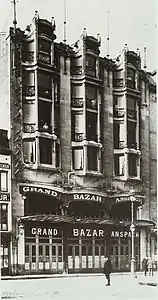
(78, 150)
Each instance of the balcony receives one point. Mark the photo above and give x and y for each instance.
(29, 128)
(77, 137)
(44, 92)
(29, 91)
(132, 114)
(90, 72)
(118, 83)
(44, 57)
(91, 104)
(28, 57)
(77, 102)
(76, 70)
(118, 112)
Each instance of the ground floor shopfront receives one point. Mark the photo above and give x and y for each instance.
(63, 244)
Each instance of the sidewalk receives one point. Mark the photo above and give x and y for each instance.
(141, 279)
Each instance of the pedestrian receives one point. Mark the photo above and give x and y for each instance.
(145, 265)
(150, 266)
(107, 269)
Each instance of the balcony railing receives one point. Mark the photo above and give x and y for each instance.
(119, 112)
(77, 102)
(44, 57)
(118, 82)
(92, 104)
(76, 70)
(90, 72)
(131, 114)
(44, 92)
(29, 128)
(28, 56)
(29, 91)
(77, 137)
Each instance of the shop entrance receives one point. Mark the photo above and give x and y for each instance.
(86, 256)
(4, 255)
(43, 257)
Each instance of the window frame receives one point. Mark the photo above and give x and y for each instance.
(6, 181)
(1, 216)
(33, 141)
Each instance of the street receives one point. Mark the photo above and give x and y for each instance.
(123, 287)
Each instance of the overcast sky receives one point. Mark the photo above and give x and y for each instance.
(131, 21)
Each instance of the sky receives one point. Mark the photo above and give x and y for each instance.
(131, 22)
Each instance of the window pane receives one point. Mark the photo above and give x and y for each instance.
(91, 92)
(83, 250)
(45, 151)
(131, 134)
(92, 159)
(45, 110)
(119, 165)
(53, 250)
(3, 217)
(132, 165)
(3, 181)
(78, 159)
(91, 126)
(44, 45)
(90, 61)
(29, 150)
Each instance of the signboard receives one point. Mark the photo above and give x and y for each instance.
(86, 196)
(127, 198)
(43, 231)
(41, 190)
(123, 234)
(4, 197)
(4, 166)
(76, 232)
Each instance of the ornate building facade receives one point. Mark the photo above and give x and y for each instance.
(81, 136)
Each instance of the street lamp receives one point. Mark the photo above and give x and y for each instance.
(132, 228)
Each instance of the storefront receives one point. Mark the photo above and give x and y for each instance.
(73, 232)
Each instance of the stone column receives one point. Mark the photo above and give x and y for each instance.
(21, 249)
(143, 246)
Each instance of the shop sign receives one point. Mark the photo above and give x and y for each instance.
(87, 232)
(125, 199)
(26, 189)
(54, 232)
(4, 166)
(123, 234)
(87, 197)
(4, 197)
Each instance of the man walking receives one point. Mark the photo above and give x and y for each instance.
(107, 269)
(145, 265)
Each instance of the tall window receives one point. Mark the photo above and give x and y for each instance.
(90, 61)
(45, 151)
(132, 164)
(3, 181)
(77, 158)
(91, 126)
(92, 156)
(119, 165)
(29, 151)
(116, 131)
(4, 217)
(131, 108)
(44, 85)
(131, 134)
(45, 110)
(131, 78)
(91, 97)
(44, 45)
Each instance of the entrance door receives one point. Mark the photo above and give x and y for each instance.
(124, 257)
(73, 257)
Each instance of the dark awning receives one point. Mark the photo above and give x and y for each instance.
(98, 221)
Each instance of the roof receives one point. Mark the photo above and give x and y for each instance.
(72, 220)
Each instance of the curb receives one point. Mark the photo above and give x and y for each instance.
(44, 276)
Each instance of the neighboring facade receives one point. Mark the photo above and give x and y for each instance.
(5, 204)
(79, 136)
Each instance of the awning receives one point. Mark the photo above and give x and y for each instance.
(71, 220)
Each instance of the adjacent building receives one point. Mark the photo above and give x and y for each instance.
(81, 136)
